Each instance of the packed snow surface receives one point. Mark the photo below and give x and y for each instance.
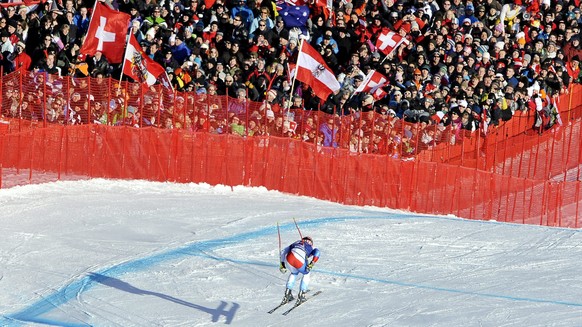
(134, 253)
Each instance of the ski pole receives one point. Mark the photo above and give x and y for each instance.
(279, 233)
(300, 235)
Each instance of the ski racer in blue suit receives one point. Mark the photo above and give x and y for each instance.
(296, 257)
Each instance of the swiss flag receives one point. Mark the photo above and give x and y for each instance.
(312, 70)
(209, 3)
(326, 6)
(373, 84)
(106, 33)
(293, 126)
(388, 41)
(138, 65)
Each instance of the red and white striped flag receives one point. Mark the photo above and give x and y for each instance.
(388, 41)
(138, 65)
(373, 84)
(312, 70)
(291, 68)
(107, 31)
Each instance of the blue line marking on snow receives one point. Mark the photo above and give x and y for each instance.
(33, 313)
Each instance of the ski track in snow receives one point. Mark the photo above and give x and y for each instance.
(469, 252)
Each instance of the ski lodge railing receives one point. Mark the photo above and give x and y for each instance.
(65, 129)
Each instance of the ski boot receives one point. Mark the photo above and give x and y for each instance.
(288, 297)
(301, 297)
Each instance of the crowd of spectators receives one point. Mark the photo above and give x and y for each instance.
(467, 65)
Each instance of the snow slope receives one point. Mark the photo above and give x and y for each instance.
(135, 253)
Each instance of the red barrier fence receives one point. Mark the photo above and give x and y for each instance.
(290, 166)
(511, 175)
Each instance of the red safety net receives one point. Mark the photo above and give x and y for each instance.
(62, 129)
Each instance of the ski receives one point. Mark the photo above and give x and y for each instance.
(277, 307)
(300, 303)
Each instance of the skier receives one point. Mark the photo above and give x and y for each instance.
(296, 258)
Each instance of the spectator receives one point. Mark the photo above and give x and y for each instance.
(155, 19)
(180, 51)
(329, 131)
(98, 65)
(244, 13)
(488, 60)
(168, 61)
(264, 16)
(239, 105)
(22, 59)
(236, 126)
(573, 69)
(6, 46)
(81, 20)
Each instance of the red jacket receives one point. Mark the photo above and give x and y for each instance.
(573, 72)
(22, 61)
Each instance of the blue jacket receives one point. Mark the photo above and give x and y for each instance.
(329, 135)
(181, 52)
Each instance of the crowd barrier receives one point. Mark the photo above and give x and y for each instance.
(512, 174)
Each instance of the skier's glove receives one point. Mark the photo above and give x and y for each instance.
(309, 266)
(282, 268)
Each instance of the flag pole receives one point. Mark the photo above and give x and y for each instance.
(381, 62)
(94, 7)
(290, 100)
(124, 55)
(288, 104)
(395, 49)
(364, 82)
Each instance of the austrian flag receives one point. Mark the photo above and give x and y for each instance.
(138, 65)
(106, 33)
(312, 70)
(388, 41)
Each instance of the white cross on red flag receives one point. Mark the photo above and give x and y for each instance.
(373, 84)
(388, 41)
(106, 33)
